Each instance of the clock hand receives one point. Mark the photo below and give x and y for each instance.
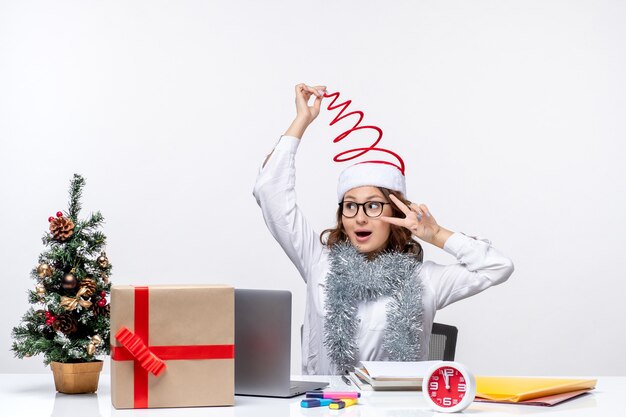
(446, 378)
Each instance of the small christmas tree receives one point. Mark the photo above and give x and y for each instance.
(71, 321)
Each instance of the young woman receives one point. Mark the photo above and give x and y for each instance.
(369, 295)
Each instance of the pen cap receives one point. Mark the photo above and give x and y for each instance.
(337, 405)
(343, 403)
(309, 403)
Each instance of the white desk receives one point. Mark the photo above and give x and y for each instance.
(34, 395)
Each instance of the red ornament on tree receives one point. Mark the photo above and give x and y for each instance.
(50, 321)
(59, 214)
(50, 219)
(103, 294)
(102, 302)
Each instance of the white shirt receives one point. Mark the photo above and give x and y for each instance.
(479, 267)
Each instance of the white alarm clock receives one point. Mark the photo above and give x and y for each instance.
(449, 387)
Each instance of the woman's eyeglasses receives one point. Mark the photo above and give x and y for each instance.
(350, 209)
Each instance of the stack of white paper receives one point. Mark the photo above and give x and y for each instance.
(386, 375)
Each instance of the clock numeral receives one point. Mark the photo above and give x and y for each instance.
(435, 378)
(447, 402)
(434, 386)
(461, 379)
(462, 388)
(448, 371)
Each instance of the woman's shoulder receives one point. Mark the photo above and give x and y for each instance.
(424, 271)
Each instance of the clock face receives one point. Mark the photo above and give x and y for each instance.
(447, 387)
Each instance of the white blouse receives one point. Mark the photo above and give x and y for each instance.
(479, 267)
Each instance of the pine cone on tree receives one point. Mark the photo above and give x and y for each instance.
(105, 310)
(65, 323)
(90, 286)
(61, 228)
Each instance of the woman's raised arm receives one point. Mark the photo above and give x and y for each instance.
(305, 114)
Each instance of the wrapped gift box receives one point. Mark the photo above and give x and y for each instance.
(174, 346)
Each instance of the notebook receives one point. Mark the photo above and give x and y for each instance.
(263, 345)
(389, 375)
(519, 389)
(547, 401)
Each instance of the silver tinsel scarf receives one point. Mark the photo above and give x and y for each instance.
(352, 279)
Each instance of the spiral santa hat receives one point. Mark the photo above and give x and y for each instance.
(375, 173)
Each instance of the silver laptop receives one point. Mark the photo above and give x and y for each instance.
(263, 345)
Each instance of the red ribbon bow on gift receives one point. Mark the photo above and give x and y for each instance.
(146, 358)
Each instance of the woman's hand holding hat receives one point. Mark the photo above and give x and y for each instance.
(305, 114)
(303, 94)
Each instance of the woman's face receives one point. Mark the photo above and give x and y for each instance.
(367, 234)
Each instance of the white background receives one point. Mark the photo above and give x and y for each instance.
(510, 116)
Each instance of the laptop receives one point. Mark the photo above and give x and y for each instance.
(263, 345)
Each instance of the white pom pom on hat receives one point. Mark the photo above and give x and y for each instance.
(374, 174)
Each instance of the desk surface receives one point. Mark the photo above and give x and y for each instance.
(34, 395)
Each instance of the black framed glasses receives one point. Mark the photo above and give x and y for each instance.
(350, 209)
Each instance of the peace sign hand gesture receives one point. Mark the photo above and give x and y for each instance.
(420, 222)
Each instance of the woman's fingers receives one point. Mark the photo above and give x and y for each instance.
(303, 94)
(318, 90)
(317, 104)
(400, 205)
(301, 88)
(424, 209)
(393, 220)
(421, 210)
(306, 90)
(415, 216)
(321, 89)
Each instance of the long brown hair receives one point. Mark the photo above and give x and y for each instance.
(400, 238)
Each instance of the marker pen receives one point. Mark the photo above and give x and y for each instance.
(333, 395)
(315, 402)
(339, 404)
